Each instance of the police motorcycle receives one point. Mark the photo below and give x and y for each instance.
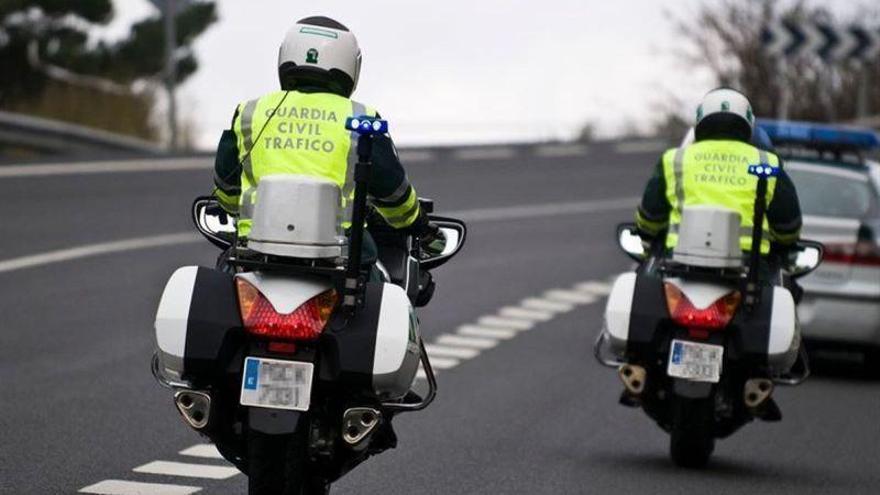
(701, 338)
(295, 362)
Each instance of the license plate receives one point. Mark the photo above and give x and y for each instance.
(693, 361)
(277, 384)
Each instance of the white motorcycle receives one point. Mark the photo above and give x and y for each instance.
(700, 338)
(295, 358)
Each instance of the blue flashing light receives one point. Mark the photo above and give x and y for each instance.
(366, 125)
(820, 136)
(763, 170)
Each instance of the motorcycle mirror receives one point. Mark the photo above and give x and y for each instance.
(807, 257)
(630, 242)
(213, 222)
(454, 232)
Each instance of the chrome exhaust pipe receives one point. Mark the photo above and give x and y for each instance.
(194, 406)
(358, 423)
(633, 377)
(756, 391)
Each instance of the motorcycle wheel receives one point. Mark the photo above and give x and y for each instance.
(692, 439)
(278, 465)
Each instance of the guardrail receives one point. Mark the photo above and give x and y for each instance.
(60, 138)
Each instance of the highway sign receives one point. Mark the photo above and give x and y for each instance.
(832, 43)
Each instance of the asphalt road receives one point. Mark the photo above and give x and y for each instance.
(533, 415)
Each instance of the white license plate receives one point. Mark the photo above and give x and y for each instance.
(277, 384)
(693, 361)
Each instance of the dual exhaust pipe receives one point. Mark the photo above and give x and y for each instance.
(358, 423)
(194, 406)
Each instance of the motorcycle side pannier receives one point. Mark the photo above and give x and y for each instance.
(197, 324)
(377, 353)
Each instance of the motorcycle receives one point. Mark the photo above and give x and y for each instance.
(294, 356)
(701, 338)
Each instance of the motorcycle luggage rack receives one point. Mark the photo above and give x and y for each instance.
(251, 260)
(600, 352)
(794, 380)
(669, 267)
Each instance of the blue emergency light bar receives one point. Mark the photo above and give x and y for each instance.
(764, 170)
(366, 125)
(820, 136)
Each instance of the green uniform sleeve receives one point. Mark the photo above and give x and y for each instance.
(784, 212)
(390, 190)
(227, 171)
(652, 216)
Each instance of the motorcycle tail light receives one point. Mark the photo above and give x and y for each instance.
(305, 323)
(715, 317)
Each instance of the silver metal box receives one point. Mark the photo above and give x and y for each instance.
(709, 237)
(298, 217)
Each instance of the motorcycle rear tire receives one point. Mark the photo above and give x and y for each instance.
(692, 439)
(278, 465)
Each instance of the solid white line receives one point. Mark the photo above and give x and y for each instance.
(544, 210)
(120, 487)
(157, 165)
(189, 470)
(508, 323)
(561, 150)
(526, 314)
(96, 249)
(544, 304)
(485, 154)
(490, 333)
(443, 363)
(458, 340)
(204, 450)
(453, 352)
(570, 296)
(597, 288)
(652, 146)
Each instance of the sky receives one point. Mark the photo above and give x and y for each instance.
(459, 71)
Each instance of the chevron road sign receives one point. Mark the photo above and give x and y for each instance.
(832, 43)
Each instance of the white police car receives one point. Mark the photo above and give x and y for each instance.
(838, 191)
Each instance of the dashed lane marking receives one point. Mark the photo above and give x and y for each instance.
(501, 322)
(525, 313)
(443, 363)
(203, 450)
(546, 304)
(485, 154)
(571, 296)
(170, 468)
(486, 332)
(122, 487)
(466, 342)
(453, 352)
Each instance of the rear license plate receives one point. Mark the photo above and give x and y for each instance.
(277, 384)
(693, 361)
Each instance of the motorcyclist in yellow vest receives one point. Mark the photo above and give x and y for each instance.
(714, 171)
(301, 130)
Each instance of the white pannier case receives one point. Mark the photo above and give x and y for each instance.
(297, 217)
(709, 237)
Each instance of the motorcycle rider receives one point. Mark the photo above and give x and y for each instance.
(714, 171)
(301, 130)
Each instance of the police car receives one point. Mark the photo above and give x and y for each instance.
(838, 190)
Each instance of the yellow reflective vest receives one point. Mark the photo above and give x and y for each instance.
(715, 173)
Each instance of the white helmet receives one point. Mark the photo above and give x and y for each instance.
(725, 111)
(320, 51)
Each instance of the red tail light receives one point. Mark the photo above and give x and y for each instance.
(715, 317)
(304, 324)
(864, 252)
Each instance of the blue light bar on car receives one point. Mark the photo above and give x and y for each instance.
(820, 136)
(366, 125)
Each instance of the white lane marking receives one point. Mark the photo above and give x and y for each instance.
(570, 296)
(486, 332)
(485, 154)
(410, 156)
(597, 288)
(477, 215)
(652, 146)
(544, 210)
(204, 450)
(545, 304)
(121, 487)
(421, 375)
(472, 342)
(497, 321)
(561, 150)
(526, 314)
(95, 250)
(158, 165)
(170, 468)
(443, 363)
(453, 352)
